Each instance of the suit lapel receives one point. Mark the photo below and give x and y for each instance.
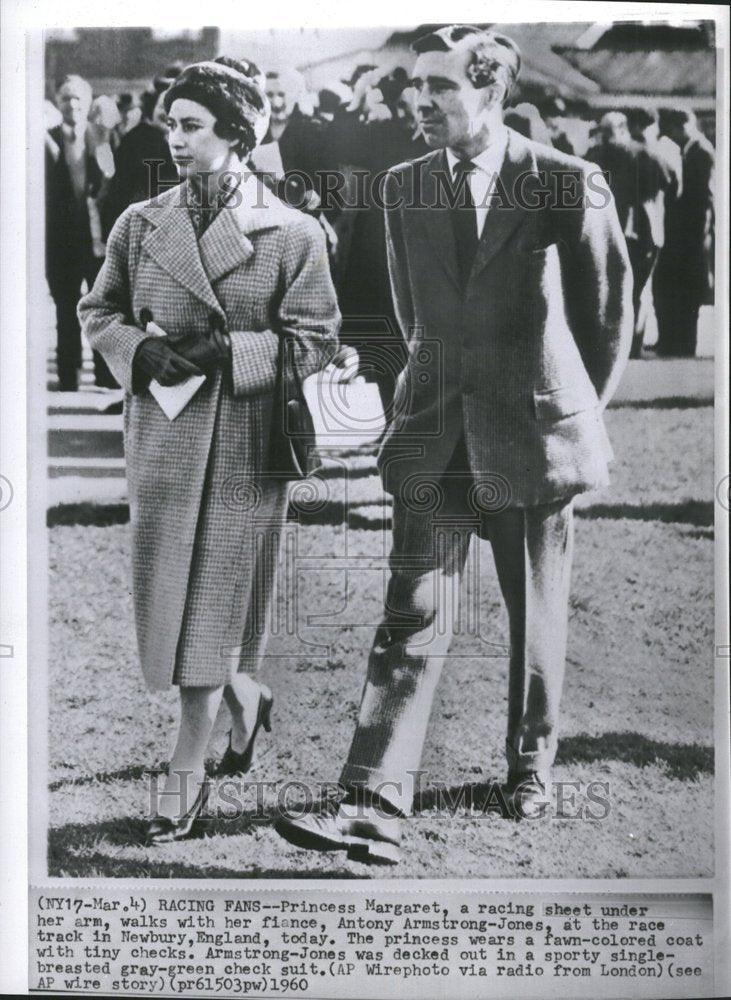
(173, 245)
(505, 212)
(437, 218)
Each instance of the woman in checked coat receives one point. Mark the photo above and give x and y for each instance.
(225, 270)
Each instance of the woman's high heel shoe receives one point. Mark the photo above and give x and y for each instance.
(234, 762)
(162, 830)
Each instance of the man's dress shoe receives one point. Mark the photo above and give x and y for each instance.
(527, 795)
(366, 832)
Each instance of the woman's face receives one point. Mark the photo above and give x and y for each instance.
(194, 146)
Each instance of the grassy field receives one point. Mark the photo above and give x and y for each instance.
(637, 707)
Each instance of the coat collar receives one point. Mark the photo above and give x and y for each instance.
(505, 214)
(224, 245)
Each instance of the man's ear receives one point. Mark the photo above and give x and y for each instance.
(492, 96)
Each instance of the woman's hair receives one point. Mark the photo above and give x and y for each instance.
(232, 91)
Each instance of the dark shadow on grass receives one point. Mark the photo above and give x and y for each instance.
(473, 796)
(99, 515)
(684, 761)
(132, 773)
(698, 513)
(130, 832)
(664, 403)
(695, 512)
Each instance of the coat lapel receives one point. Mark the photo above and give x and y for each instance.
(223, 246)
(506, 212)
(173, 245)
(226, 244)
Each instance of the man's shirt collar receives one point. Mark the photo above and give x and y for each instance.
(490, 160)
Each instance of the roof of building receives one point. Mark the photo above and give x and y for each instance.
(639, 58)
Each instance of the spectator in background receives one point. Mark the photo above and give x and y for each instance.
(526, 119)
(74, 253)
(298, 137)
(160, 84)
(686, 274)
(383, 132)
(143, 165)
(644, 127)
(553, 115)
(102, 124)
(130, 114)
(637, 181)
(292, 156)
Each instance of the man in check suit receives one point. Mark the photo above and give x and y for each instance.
(518, 315)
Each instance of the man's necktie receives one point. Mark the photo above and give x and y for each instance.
(464, 220)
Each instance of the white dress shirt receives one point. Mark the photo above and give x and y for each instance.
(74, 146)
(483, 180)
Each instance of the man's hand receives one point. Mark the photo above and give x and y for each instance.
(207, 353)
(155, 358)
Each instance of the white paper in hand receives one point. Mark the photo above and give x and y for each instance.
(344, 413)
(172, 399)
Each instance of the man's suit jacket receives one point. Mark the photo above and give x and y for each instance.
(637, 180)
(68, 236)
(695, 216)
(524, 361)
(143, 168)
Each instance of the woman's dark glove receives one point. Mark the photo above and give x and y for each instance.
(155, 358)
(207, 352)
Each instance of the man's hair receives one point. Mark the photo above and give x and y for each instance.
(148, 103)
(494, 58)
(77, 81)
(642, 118)
(670, 117)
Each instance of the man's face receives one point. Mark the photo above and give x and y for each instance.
(73, 101)
(450, 110)
(678, 133)
(160, 115)
(278, 98)
(405, 109)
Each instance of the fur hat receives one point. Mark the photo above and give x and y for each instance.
(232, 91)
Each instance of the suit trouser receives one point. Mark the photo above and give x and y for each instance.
(642, 260)
(66, 292)
(678, 288)
(532, 548)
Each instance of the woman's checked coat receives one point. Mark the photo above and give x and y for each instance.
(202, 506)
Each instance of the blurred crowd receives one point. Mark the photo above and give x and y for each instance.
(105, 152)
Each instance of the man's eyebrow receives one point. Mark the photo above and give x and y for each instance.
(441, 81)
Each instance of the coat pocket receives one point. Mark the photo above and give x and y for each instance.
(563, 401)
(538, 252)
